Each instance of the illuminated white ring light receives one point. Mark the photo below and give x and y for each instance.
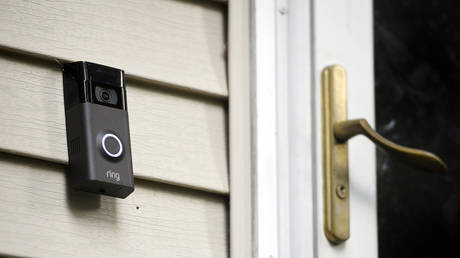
(110, 135)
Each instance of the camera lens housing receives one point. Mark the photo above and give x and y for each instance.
(106, 95)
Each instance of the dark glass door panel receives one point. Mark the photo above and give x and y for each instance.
(417, 89)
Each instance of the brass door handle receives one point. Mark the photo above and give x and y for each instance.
(345, 130)
(336, 130)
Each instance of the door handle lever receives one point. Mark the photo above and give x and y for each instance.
(425, 160)
(336, 130)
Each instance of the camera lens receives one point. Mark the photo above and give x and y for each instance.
(105, 95)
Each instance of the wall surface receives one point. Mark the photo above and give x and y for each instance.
(173, 54)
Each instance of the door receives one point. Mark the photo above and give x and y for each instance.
(400, 64)
(342, 36)
(293, 41)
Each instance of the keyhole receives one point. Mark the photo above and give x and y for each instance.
(341, 191)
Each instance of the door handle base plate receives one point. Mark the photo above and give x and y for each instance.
(335, 156)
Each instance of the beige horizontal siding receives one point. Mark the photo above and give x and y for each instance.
(176, 137)
(41, 217)
(175, 42)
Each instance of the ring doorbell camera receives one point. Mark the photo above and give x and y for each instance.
(98, 141)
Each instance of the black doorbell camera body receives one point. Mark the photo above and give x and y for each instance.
(98, 141)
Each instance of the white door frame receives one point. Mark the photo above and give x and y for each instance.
(271, 138)
(240, 128)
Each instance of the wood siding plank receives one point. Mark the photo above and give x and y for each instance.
(177, 43)
(176, 137)
(41, 217)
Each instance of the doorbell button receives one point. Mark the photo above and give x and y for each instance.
(112, 145)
